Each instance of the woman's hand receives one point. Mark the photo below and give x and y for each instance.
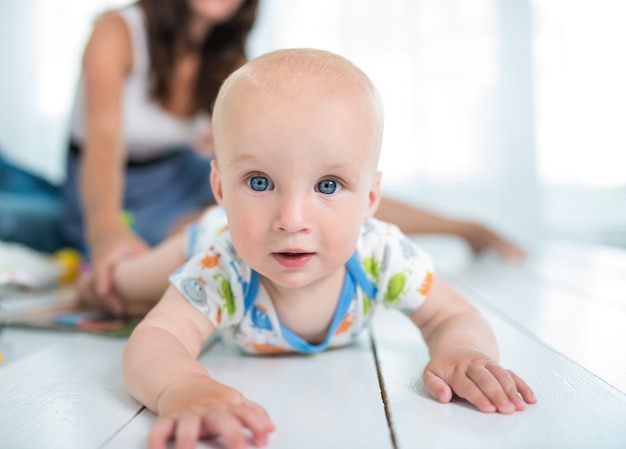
(481, 238)
(199, 407)
(107, 249)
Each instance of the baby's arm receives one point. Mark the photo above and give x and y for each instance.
(138, 281)
(161, 372)
(464, 355)
(141, 280)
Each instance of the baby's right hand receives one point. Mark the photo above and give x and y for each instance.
(200, 407)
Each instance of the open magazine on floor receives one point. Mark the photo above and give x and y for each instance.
(57, 310)
(33, 294)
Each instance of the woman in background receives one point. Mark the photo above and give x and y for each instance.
(150, 74)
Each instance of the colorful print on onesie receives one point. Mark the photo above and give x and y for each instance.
(387, 269)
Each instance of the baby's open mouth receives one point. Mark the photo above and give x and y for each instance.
(292, 259)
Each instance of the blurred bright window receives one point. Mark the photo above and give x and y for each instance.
(580, 87)
(62, 27)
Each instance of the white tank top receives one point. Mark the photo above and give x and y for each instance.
(148, 130)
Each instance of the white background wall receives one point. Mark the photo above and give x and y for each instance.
(508, 111)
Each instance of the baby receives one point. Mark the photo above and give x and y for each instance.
(293, 261)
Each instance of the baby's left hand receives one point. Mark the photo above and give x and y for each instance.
(476, 377)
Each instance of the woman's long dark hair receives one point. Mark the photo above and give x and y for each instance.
(222, 52)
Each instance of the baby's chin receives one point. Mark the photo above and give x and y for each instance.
(290, 278)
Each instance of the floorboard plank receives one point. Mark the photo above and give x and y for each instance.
(68, 394)
(597, 273)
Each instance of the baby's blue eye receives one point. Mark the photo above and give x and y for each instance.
(260, 183)
(328, 186)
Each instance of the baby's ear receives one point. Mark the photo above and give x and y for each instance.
(216, 182)
(373, 197)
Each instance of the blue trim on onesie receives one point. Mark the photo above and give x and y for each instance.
(354, 275)
(347, 294)
(251, 291)
(356, 269)
(193, 236)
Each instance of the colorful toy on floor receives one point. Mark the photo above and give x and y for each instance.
(70, 262)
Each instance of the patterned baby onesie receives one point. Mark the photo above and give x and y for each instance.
(386, 269)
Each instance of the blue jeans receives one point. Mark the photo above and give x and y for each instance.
(30, 209)
(156, 194)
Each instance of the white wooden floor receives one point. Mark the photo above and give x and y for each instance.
(561, 323)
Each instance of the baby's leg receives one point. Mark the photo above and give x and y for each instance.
(141, 281)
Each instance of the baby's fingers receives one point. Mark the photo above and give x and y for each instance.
(497, 386)
(441, 387)
(471, 386)
(162, 430)
(502, 387)
(225, 424)
(437, 387)
(188, 431)
(255, 418)
(522, 387)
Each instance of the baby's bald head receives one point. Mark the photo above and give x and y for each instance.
(297, 73)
